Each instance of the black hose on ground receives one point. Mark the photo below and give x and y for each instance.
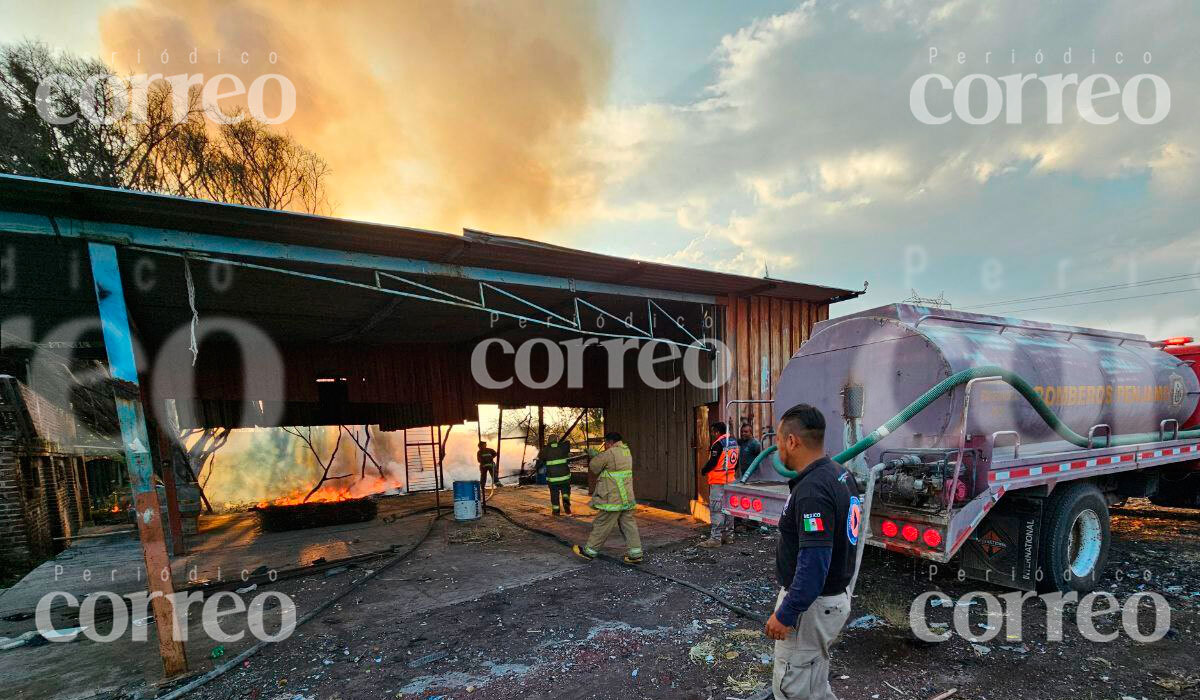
(732, 607)
(237, 660)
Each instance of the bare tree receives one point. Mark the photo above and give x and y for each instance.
(305, 434)
(202, 452)
(150, 139)
(364, 446)
(80, 149)
(252, 165)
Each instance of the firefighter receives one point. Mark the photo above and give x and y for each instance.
(486, 457)
(612, 495)
(554, 459)
(721, 469)
(814, 559)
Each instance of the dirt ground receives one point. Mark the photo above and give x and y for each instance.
(605, 631)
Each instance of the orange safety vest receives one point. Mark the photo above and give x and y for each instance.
(726, 469)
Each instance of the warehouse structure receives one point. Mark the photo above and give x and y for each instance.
(210, 315)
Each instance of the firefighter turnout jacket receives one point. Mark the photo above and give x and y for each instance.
(554, 455)
(613, 469)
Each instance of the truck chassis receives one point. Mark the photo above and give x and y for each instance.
(1004, 548)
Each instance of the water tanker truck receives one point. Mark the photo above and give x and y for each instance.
(997, 442)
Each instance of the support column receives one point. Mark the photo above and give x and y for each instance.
(167, 463)
(118, 344)
(725, 392)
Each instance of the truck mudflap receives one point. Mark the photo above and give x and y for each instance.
(1004, 549)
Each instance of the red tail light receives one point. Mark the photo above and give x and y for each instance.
(932, 538)
(757, 505)
(909, 533)
(733, 501)
(745, 503)
(889, 528)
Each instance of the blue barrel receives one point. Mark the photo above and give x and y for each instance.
(467, 502)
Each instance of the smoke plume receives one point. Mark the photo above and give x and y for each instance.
(430, 114)
(264, 465)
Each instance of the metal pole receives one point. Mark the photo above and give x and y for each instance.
(118, 344)
(864, 528)
(437, 469)
(500, 443)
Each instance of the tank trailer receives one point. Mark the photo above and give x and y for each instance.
(997, 441)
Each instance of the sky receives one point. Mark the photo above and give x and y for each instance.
(759, 138)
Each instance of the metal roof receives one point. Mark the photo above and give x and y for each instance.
(472, 248)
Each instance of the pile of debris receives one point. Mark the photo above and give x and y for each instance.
(744, 654)
(278, 518)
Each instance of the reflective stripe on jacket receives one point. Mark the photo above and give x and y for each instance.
(614, 479)
(726, 469)
(554, 456)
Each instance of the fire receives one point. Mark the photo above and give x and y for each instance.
(115, 509)
(332, 493)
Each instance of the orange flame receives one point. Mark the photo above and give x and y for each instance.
(333, 492)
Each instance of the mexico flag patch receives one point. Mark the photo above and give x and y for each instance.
(813, 523)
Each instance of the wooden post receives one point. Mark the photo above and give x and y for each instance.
(118, 344)
(166, 460)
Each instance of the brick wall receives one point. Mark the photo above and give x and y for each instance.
(13, 537)
(41, 497)
(39, 500)
(50, 423)
(66, 508)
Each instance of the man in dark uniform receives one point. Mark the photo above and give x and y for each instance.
(814, 561)
(553, 458)
(748, 447)
(486, 457)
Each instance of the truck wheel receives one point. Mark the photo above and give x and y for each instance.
(1075, 539)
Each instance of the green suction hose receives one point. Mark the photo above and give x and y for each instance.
(946, 385)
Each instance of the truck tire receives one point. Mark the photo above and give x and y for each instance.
(1075, 539)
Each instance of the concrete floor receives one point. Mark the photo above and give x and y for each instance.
(440, 573)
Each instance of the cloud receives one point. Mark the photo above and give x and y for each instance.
(805, 153)
(430, 114)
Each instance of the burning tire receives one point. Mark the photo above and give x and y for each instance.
(1075, 539)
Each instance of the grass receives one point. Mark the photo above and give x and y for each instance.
(888, 606)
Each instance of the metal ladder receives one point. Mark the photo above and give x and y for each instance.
(422, 459)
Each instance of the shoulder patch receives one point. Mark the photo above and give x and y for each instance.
(854, 520)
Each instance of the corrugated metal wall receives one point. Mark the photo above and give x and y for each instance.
(660, 425)
(396, 386)
(763, 334)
